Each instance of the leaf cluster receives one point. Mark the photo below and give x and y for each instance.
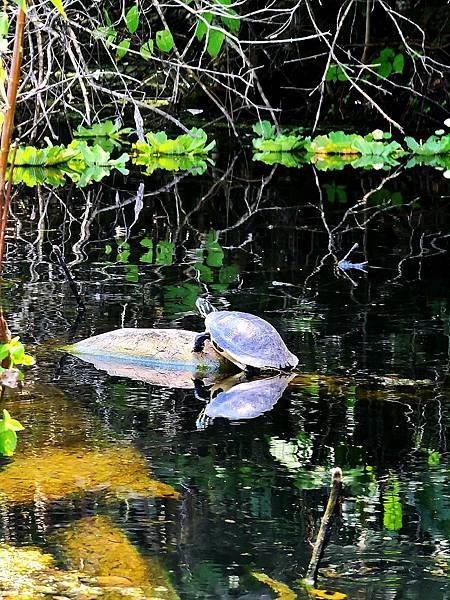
(107, 134)
(210, 25)
(8, 436)
(333, 151)
(80, 162)
(158, 144)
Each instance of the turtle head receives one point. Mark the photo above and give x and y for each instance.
(204, 307)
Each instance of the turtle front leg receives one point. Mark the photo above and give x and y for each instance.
(199, 342)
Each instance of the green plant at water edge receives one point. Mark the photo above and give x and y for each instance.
(13, 354)
(8, 435)
(108, 135)
(78, 161)
(435, 144)
(93, 163)
(388, 62)
(194, 142)
(269, 141)
(338, 142)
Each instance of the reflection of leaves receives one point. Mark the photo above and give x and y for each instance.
(287, 159)
(148, 256)
(393, 512)
(180, 298)
(281, 143)
(164, 253)
(228, 274)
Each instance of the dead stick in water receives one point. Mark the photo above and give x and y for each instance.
(327, 521)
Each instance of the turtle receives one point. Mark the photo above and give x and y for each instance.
(248, 341)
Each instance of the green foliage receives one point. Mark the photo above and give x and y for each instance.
(14, 350)
(281, 143)
(335, 73)
(106, 134)
(122, 48)
(8, 436)
(435, 144)
(146, 50)
(393, 511)
(132, 19)
(335, 150)
(30, 156)
(78, 161)
(93, 163)
(265, 130)
(338, 142)
(194, 164)
(195, 142)
(287, 159)
(211, 25)
(164, 40)
(389, 62)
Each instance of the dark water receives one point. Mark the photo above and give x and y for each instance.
(267, 241)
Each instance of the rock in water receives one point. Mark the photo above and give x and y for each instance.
(168, 349)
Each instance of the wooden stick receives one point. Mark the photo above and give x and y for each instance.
(325, 526)
(13, 86)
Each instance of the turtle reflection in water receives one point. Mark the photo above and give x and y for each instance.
(248, 341)
(236, 398)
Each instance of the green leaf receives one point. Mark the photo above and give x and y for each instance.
(341, 74)
(232, 22)
(386, 54)
(385, 69)
(4, 24)
(202, 27)
(146, 50)
(132, 19)
(8, 442)
(22, 4)
(122, 48)
(164, 40)
(264, 129)
(215, 41)
(59, 7)
(398, 63)
(9, 424)
(331, 74)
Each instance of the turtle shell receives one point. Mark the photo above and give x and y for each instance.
(248, 340)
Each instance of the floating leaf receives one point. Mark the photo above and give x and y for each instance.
(132, 19)
(164, 40)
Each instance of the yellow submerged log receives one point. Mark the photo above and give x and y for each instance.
(55, 473)
(98, 548)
